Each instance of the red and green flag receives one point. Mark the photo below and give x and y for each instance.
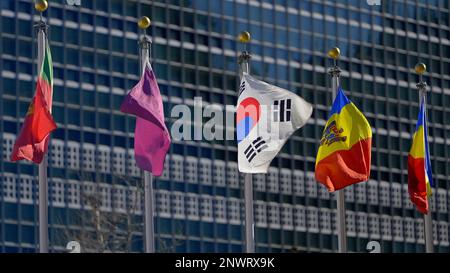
(32, 142)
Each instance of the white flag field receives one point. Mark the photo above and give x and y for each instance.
(266, 117)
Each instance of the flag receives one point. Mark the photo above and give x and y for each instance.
(344, 152)
(32, 141)
(420, 178)
(266, 117)
(151, 137)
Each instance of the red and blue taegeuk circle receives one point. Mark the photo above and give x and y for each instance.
(247, 116)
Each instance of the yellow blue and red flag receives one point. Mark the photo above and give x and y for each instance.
(420, 178)
(345, 149)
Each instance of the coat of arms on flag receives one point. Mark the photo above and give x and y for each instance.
(266, 117)
(344, 154)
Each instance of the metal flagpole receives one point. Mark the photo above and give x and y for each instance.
(421, 68)
(335, 72)
(149, 234)
(244, 58)
(41, 26)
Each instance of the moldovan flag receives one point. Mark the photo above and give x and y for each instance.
(420, 179)
(32, 142)
(345, 149)
(151, 137)
(266, 117)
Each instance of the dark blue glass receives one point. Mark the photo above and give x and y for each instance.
(55, 13)
(87, 39)
(117, 6)
(24, 7)
(71, 16)
(9, 46)
(8, 4)
(25, 68)
(87, 18)
(72, 36)
(215, 6)
(6, 25)
(25, 49)
(25, 28)
(9, 65)
(202, 5)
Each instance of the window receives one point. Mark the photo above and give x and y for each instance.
(73, 96)
(71, 16)
(25, 49)
(117, 43)
(87, 18)
(25, 28)
(87, 59)
(11, 233)
(88, 98)
(104, 121)
(72, 36)
(87, 39)
(9, 107)
(7, 22)
(72, 56)
(174, 17)
(102, 41)
(119, 123)
(102, 61)
(131, 9)
(118, 64)
(116, 6)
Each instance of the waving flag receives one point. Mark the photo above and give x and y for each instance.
(32, 142)
(266, 117)
(151, 137)
(420, 178)
(344, 153)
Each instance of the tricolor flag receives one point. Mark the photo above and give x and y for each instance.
(266, 117)
(420, 178)
(345, 149)
(32, 141)
(151, 137)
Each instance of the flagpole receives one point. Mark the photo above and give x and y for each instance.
(428, 221)
(244, 59)
(149, 233)
(335, 72)
(42, 27)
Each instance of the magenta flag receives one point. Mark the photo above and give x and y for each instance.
(151, 137)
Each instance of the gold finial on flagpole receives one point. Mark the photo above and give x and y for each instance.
(144, 22)
(41, 5)
(420, 68)
(334, 53)
(144, 43)
(244, 37)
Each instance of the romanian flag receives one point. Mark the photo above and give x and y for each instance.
(345, 149)
(420, 179)
(32, 142)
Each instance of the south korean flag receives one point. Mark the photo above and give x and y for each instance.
(266, 117)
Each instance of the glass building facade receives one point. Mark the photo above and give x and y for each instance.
(199, 199)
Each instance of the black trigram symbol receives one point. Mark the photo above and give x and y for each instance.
(242, 87)
(282, 110)
(257, 146)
